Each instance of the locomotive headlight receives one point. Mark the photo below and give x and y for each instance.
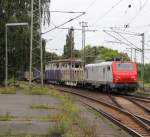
(134, 78)
(117, 78)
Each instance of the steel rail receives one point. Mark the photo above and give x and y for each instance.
(147, 121)
(139, 99)
(144, 130)
(115, 121)
(138, 104)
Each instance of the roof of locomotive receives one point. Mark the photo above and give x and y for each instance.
(107, 63)
(99, 64)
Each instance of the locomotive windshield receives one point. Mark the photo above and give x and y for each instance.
(124, 66)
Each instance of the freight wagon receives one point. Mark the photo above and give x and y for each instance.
(68, 72)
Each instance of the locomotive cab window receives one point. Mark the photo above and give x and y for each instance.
(124, 66)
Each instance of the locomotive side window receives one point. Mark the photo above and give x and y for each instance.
(108, 68)
(124, 66)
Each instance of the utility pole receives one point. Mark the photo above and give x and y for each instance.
(84, 25)
(131, 52)
(41, 46)
(6, 60)
(84, 30)
(143, 61)
(72, 44)
(135, 50)
(36, 48)
(31, 45)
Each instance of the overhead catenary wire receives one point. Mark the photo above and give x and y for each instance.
(120, 27)
(117, 38)
(91, 4)
(137, 14)
(83, 13)
(108, 11)
(69, 12)
(126, 39)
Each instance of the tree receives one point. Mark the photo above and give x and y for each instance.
(108, 54)
(146, 72)
(69, 46)
(51, 56)
(19, 37)
(101, 53)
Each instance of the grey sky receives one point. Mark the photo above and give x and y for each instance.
(98, 19)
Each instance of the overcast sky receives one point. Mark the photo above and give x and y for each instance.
(100, 15)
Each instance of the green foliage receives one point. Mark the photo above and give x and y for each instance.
(6, 117)
(72, 134)
(146, 72)
(107, 54)
(76, 54)
(37, 90)
(101, 53)
(69, 123)
(12, 11)
(42, 106)
(67, 116)
(69, 47)
(9, 133)
(95, 53)
(8, 90)
(51, 56)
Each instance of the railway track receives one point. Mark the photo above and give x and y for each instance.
(133, 107)
(140, 100)
(128, 121)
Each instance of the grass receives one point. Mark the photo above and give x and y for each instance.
(12, 133)
(6, 117)
(70, 124)
(48, 118)
(66, 122)
(36, 90)
(143, 94)
(67, 116)
(8, 90)
(42, 106)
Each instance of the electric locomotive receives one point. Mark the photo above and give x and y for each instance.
(112, 75)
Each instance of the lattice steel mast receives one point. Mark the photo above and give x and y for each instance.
(36, 48)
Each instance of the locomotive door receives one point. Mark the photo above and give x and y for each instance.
(108, 75)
